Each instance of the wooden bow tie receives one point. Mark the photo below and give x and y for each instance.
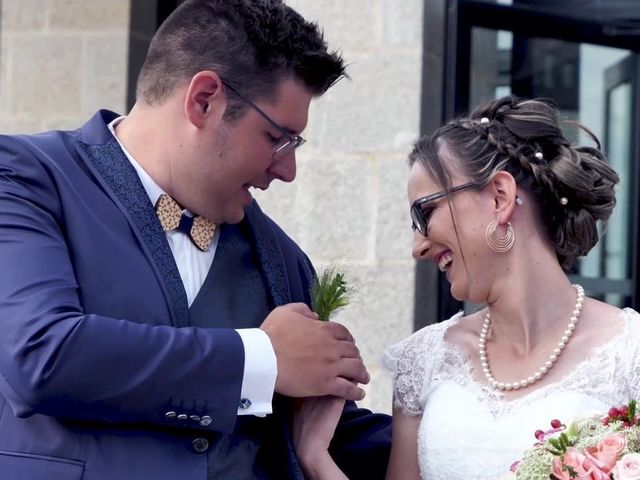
(199, 229)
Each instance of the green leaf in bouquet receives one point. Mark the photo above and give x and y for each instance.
(329, 292)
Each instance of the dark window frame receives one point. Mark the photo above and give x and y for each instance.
(451, 61)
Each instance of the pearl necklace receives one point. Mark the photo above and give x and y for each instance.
(484, 360)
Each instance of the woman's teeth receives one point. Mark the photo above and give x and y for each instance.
(445, 262)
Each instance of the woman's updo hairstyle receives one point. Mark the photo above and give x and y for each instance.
(572, 185)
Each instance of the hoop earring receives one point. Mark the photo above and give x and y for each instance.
(500, 244)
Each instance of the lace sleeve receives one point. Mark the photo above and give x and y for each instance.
(410, 363)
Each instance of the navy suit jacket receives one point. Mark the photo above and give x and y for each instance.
(95, 341)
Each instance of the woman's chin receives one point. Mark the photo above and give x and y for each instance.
(458, 293)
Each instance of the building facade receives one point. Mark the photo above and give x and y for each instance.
(413, 64)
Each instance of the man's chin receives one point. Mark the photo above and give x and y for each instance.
(234, 217)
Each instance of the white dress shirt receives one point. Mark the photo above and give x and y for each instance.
(260, 368)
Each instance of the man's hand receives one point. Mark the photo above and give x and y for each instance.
(314, 358)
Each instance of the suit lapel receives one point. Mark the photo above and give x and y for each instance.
(121, 182)
(269, 254)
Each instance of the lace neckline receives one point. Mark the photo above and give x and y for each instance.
(488, 395)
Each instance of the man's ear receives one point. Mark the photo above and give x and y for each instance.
(204, 98)
(503, 188)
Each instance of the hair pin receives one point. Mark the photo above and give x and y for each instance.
(563, 200)
(484, 120)
(539, 155)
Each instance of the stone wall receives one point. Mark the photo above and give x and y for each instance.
(348, 204)
(60, 60)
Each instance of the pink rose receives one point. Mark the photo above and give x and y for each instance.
(628, 467)
(605, 454)
(575, 461)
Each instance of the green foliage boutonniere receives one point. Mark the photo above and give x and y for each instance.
(329, 292)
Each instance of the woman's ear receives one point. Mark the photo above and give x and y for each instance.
(204, 98)
(503, 188)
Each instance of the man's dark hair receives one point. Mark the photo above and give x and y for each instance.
(252, 44)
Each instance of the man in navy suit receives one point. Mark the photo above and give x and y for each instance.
(155, 323)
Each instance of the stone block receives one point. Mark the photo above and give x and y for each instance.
(393, 224)
(23, 15)
(6, 60)
(279, 203)
(378, 110)
(335, 207)
(89, 14)
(347, 25)
(54, 122)
(46, 75)
(403, 22)
(11, 125)
(105, 72)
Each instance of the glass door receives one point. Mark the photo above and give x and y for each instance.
(499, 50)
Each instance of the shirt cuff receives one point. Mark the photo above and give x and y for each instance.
(260, 371)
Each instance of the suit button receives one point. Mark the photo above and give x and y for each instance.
(205, 421)
(245, 403)
(182, 416)
(170, 415)
(200, 445)
(195, 418)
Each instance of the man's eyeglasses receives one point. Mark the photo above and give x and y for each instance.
(421, 210)
(287, 142)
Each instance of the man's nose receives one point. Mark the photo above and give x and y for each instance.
(284, 168)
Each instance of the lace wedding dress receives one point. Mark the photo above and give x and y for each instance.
(469, 431)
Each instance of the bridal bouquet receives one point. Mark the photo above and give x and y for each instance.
(597, 448)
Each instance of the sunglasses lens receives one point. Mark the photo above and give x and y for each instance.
(417, 219)
(420, 217)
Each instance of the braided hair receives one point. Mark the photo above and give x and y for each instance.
(573, 186)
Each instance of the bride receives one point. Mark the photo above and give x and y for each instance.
(504, 205)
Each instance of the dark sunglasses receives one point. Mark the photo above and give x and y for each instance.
(421, 210)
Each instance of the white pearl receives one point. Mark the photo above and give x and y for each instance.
(547, 365)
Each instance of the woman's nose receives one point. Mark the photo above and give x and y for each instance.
(421, 246)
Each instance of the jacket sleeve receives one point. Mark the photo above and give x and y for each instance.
(58, 360)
